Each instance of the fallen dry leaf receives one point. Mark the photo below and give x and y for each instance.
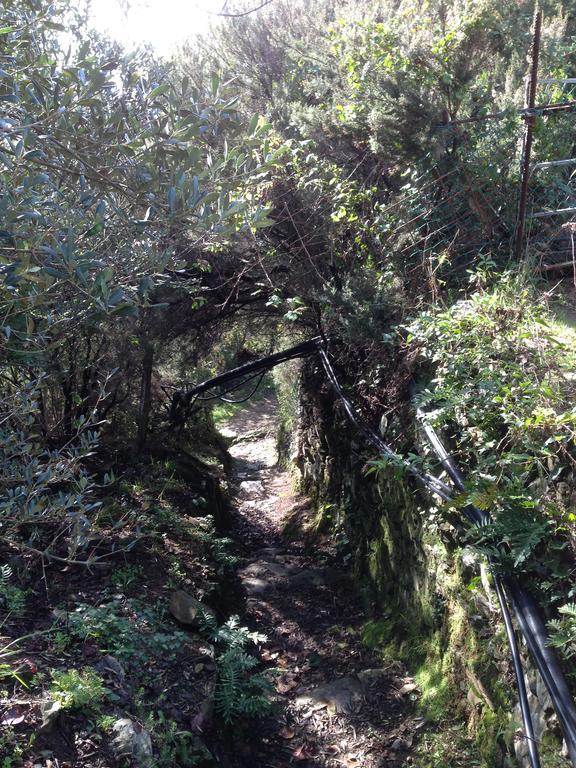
(286, 684)
(302, 753)
(13, 716)
(267, 655)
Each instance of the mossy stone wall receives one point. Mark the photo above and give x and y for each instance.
(426, 603)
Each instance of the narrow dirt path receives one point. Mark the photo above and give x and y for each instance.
(339, 704)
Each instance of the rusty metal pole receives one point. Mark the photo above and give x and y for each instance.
(530, 119)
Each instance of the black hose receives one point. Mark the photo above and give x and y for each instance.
(234, 388)
(247, 397)
(526, 610)
(534, 632)
(429, 481)
(528, 617)
(473, 514)
(257, 366)
(519, 674)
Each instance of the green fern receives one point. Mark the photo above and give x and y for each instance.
(12, 598)
(240, 691)
(5, 574)
(516, 533)
(563, 630)
(484, 497)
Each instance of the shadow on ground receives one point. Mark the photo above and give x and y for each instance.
(338, 703)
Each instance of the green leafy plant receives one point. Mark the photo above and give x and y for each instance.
(9, 664)
(94, 220)
(563, 630)
(240, 690)
(175, 746)
(219, 546)
(516, 532)
(502, 390)
(78, 689)
(12, 598)
(10, 749)
(127, 629)
(126, 577)
(106, 722)
(177, 573)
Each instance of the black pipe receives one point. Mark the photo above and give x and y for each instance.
(233, 388)
(527, 615)
(525, 608)
(247, 397)
(534, 632)
(262, 364)
(429, 481)
(529, 734)
(471, 512)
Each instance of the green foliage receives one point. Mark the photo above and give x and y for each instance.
(44, 486)
(499, 371)
(127, 629)
(10, 749)
(111, 164)
(501, 385)
(92, 195)
(175, 746)
(218, 546)
(563, 630)
(12, 598)
(9, 664)
(240, 691)
(126, 577)
(517, 532)
(78, 689)
(449, 747)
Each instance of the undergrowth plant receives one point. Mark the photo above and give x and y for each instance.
(218, 546)
(78, 689)
(563, 630)
(175, 746)
(12, 598)
(240, 690)
(10, 749)
(132, 632)
(517, 530)
(10, 666)
(502, 392)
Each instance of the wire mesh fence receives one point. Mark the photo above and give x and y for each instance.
(464, 207)
(552, 190)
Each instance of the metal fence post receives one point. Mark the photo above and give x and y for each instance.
(530, 119)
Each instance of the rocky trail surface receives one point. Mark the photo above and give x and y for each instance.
(339, 704)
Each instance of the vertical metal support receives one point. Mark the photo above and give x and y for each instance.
(530, 119)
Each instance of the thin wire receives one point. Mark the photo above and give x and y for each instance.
(220, 395)
(434, 484)
(252, 393)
